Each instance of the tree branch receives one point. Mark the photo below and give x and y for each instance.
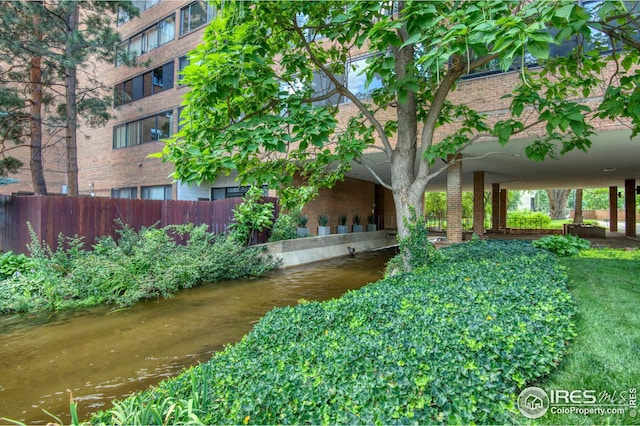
(344, 91)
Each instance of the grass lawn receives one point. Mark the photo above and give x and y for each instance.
(557, 223)
(605, 355)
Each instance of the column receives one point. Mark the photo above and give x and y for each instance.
(613, 208)
(630, 207)
(495, 207)
(503, 208)
(478, 203)
(454, 201)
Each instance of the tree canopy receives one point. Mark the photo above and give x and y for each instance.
(270, 79)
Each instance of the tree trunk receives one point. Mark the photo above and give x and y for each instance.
(71, 99)
(35, 89)
(404, 154)
(577, 214)
(558, 202)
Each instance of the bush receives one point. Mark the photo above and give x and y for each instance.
(528, 220)
(284, 228)
(11, 263)
(451, 343)
(562, 245)
(139, 265)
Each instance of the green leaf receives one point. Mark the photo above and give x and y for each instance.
(564, 12)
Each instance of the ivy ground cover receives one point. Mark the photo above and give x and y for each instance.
(452, 342)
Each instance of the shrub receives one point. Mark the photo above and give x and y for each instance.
(528, 220)
(451, 343)
(251, 216)
(11, 263)
(139, 265)
(284, 228)
(562, 245)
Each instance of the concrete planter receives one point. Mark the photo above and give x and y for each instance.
(302, 232)
(372, 227)
(358, 228)
(343, 229)
(324, 230)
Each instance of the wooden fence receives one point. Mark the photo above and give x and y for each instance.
(90, 217)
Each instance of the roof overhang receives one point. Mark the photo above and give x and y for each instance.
(612, 158)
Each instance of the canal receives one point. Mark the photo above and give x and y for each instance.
(100, 354)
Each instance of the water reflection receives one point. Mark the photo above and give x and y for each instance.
(101, 354)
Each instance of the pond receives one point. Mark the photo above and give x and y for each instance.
(101, 353)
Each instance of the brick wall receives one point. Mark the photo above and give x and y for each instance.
(350, 197)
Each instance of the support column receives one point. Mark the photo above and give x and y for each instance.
(478, 203)
(630, 207)
(495, 207)
(613, 208)
(503, 208)
(454, 201)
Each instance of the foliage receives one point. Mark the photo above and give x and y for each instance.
(302, 220)
(416, 249)
(527, 219)
(357, 220)
(323, 220)
(11, 263)
(342, 220)
(452, 344)
(251, 216)
(436, 204)
(371, 219)
(284, 227)
(138, 265)
(562, 245)
(268, 80)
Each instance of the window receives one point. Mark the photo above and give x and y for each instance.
(356, 82)
(160, 192)
(195, 15)
(183, 61)
(158, 34)
(357, 79)
(234, 192)
(149, 129)
(131, 192)
(155, 81)
(141, 5)
(322, 86)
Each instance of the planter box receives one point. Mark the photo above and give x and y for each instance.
(343, 229)
(302, 232)
(358, 228)
(584, 231)
(372, 227)
(324, 230)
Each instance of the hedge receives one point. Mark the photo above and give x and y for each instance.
(452, 342)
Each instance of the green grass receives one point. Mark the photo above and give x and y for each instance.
(605, 356)
(557, 223)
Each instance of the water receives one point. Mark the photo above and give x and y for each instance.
(100, 354)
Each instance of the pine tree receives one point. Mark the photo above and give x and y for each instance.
(49, 49)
